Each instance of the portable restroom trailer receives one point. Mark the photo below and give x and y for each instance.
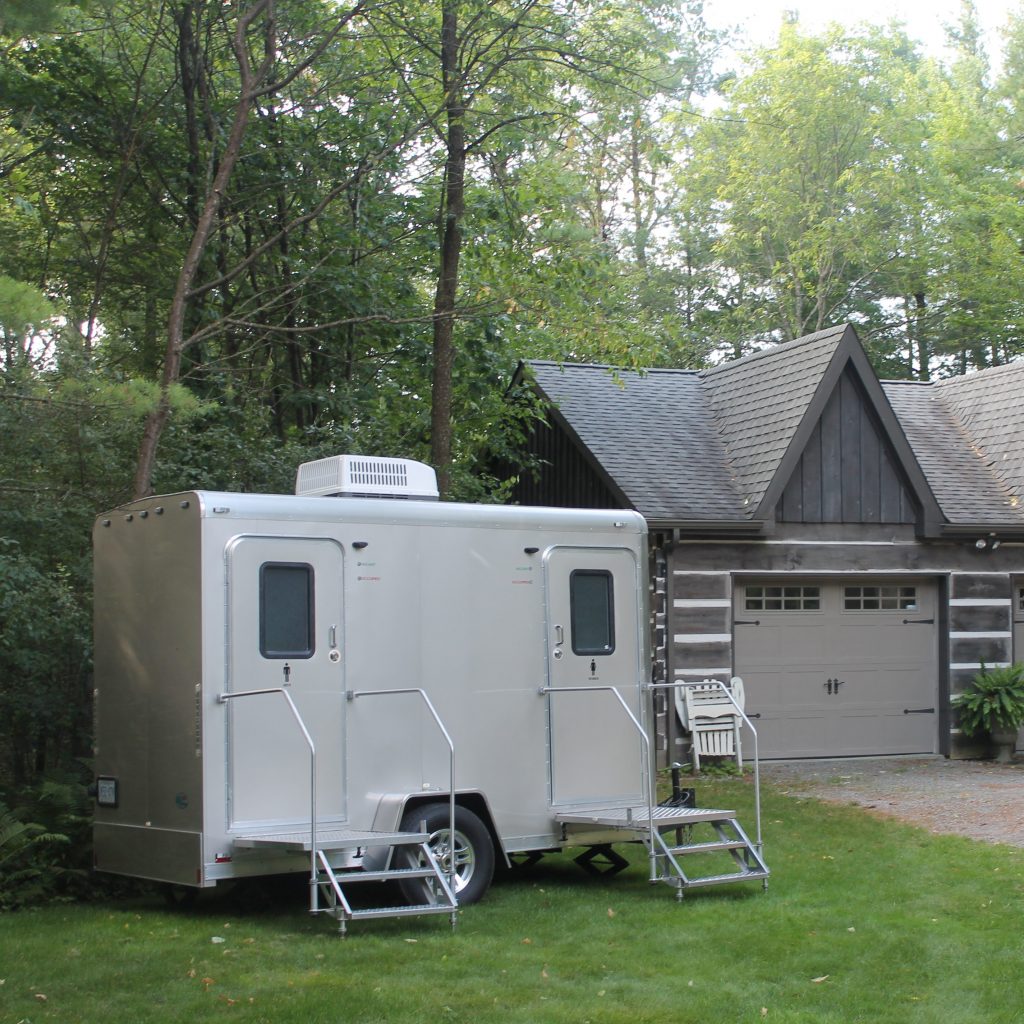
(328, 681)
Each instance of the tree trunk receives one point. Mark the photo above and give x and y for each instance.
(452, 208)
(924, 356)
(249, 80)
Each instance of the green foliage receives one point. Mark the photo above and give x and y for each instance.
(44, 645)
(842, 176)
(993, 700)
(45, 846)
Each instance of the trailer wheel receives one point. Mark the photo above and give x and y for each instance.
(474, 851)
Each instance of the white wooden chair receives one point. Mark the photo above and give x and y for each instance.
(713, 721)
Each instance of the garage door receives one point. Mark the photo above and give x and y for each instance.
(840, 667)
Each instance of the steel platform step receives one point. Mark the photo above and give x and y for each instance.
(709, 847)
(387, 875)
(636, 817)
(411, 911)
(736, 876)
(328, 839)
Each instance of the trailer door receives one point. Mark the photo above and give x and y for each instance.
(593, 640)
(284, 612)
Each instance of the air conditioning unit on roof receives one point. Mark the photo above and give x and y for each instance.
(367, 476)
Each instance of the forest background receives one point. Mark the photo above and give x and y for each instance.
(235, 236)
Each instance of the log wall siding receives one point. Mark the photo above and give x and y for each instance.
(980, 633)
(701, 625)
(980, 624)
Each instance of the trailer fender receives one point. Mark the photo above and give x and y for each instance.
(392, 808)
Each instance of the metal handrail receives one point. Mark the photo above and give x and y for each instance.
(225, 697)
(648, 778)
(353, 694)
(750, 725)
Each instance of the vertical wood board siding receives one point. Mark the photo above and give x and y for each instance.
(847, 471)
(564, 478)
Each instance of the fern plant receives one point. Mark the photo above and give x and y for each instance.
(993, 700)
(45, 848)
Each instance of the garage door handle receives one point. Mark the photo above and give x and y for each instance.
(919, 711)
(746, 622)
(918, 622)
(756, 715)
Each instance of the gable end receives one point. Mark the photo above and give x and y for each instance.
(848, 471)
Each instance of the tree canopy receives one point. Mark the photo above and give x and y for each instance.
(234, 236)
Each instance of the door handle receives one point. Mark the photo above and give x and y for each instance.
(837, 683)
(828, 686)
(918, 622)
(557, 652)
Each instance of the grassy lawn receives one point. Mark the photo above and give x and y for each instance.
(864, 920)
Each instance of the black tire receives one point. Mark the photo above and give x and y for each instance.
(179, 897)
(474, 851)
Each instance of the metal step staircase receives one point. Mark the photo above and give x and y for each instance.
(671, 833)
(327, 885)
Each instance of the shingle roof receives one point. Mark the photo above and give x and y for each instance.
(957, 472)
(990, 405)
(760, 400)
(707, 445)
(654, 434)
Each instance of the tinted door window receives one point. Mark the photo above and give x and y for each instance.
(593, 625)
(286, 610)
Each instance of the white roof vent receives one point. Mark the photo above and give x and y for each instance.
(366, 476)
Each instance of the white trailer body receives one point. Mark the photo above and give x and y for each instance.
(489, 610)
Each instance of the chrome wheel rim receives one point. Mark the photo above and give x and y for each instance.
(464, 856)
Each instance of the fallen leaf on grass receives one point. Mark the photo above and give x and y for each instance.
(217, 939)
(764, 1011)
(41, 997)
(207, 982)
(544, 971)
(818, 981)
(527, 942)
(611, 913)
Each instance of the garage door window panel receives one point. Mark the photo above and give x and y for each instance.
(782, 599)
(880, 599)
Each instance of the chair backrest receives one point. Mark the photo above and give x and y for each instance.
(738, 695)
(706, 703)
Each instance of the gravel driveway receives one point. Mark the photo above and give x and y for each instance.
(979, 799)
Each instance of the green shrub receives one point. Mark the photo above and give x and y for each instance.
(994, 699)
(45, 846)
